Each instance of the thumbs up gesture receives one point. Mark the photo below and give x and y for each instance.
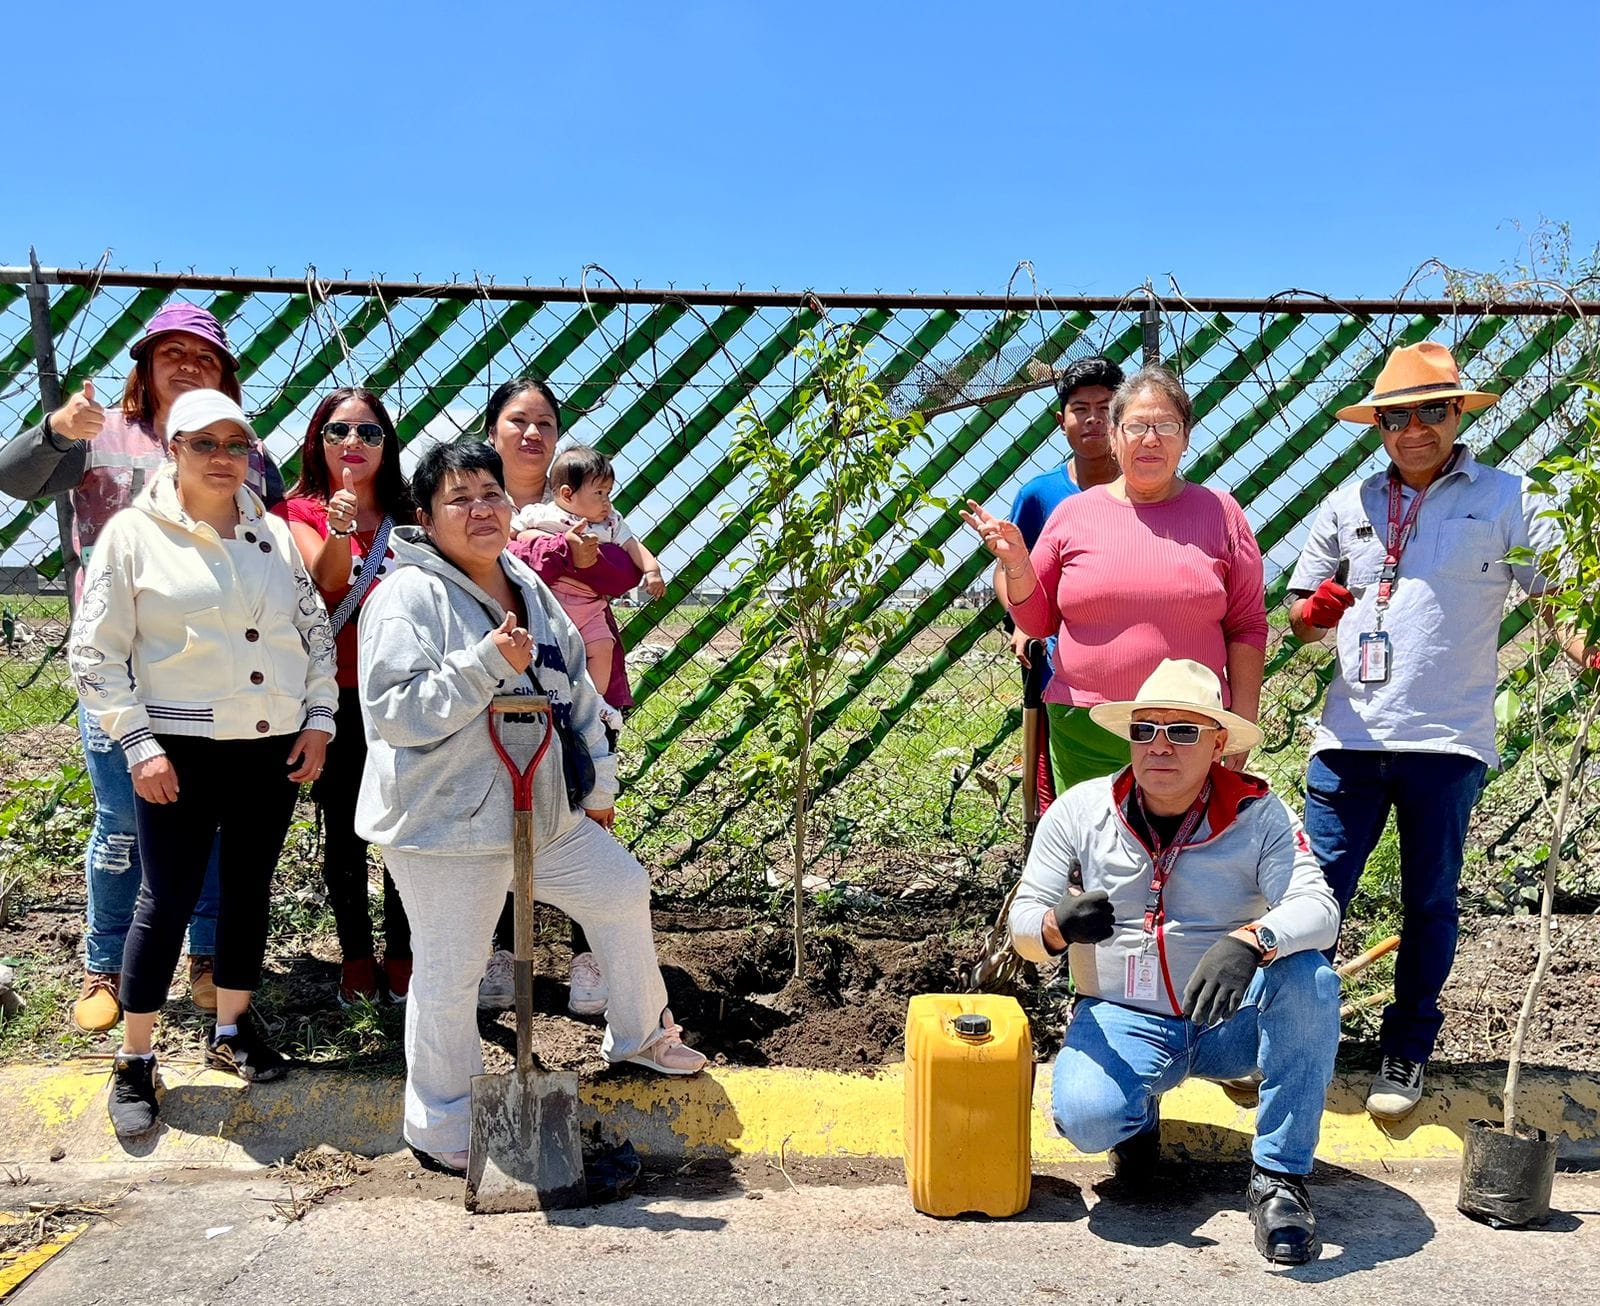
(514, 643)
(80, 418)
(342, 508)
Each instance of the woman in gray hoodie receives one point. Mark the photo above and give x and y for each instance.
(457, 623)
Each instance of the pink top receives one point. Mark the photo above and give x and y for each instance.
(1124, 585)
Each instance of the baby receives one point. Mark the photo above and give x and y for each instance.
(580, 483)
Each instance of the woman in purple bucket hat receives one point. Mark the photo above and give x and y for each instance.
(101, 458)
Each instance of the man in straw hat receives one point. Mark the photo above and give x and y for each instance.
(1192, 914)
(1408, 565)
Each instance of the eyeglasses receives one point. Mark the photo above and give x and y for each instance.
(369, 433)
(1166, 430)
(1177, 732)
(205, 446)
(1395, 420)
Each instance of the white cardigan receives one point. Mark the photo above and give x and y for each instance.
(181, 632)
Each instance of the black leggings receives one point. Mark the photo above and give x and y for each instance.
(240, 788)
(344, 853)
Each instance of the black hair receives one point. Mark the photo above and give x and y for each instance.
(442, 459)
(577, 466)
(1163, 382)
(1087, 371)
(508, 391)
(394, 495)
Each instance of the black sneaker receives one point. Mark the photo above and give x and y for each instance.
(1286, 1228)
(133, 1096)
(246, 1054)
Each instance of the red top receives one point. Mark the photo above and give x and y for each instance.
(1124, 585)
(314, 513)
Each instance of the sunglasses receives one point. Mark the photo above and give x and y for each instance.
(1395, 420)
(369, 433)
(1177, 732)
(205, 446)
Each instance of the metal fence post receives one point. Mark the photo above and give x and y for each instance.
(1151, 320)
(44, 354)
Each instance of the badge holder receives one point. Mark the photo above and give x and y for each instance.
(1374, 668)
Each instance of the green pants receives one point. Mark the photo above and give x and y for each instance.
(1079, 749)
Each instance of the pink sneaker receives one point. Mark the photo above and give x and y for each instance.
(669, 1054)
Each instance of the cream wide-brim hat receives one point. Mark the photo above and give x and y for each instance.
(1183, 686)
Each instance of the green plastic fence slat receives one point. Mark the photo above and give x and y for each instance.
(1199, 344)
(19, 357)
(711, 341)
(320, 369)
(1302, 375)
(466, 369)
(629, 350)
(1244, 364)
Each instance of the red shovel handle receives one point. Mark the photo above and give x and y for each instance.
(521, 777)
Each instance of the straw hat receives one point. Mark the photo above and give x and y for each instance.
(1415, 374)
(1186, 687)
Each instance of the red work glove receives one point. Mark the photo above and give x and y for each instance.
(1326, 604)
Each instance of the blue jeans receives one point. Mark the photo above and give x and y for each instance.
(1348, 796)
(1117, 1062)
(111, 862)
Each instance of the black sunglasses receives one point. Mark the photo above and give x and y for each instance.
(369, 433)
(206, 445)
(1177, 732)
(1395, 420)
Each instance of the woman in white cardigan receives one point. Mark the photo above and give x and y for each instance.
(202, 647)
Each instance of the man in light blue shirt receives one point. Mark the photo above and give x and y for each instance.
(1409, 720)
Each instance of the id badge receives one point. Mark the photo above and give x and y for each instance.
(1141, 983)
(1375, 658)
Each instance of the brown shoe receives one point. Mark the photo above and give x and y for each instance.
(202, 984)
(97, 1008)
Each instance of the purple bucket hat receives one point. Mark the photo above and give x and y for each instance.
(191, 320)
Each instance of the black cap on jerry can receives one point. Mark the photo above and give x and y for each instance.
(971, 1025)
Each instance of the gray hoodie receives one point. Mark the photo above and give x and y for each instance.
(428, 668)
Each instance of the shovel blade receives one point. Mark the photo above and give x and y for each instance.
(525, 1152)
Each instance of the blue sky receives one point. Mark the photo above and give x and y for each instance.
(1244, 147)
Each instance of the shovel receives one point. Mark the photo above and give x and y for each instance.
(525, 1153)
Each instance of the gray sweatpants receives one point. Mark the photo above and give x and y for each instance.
(452, 902)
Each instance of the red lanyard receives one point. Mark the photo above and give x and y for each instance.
(1164, 857)
(1399, 532)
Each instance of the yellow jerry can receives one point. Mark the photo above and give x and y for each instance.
(969, 1098)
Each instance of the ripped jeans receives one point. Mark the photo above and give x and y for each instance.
(111, 862)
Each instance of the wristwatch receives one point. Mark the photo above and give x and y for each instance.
(1266, 939)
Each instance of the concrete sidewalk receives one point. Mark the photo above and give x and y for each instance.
(215, 1119)
(738, 1233)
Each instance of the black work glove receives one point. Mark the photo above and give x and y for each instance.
(1217, 986)
(1085, 917)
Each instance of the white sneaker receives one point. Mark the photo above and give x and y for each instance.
(589, 992)
(1396, 1089)
(497, 990)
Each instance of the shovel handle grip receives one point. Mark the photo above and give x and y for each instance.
(521, 777)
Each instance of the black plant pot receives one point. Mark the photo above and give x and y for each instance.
(1506, 1178)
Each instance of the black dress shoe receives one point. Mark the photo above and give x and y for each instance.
(1134, 1160)
(1286, 1228)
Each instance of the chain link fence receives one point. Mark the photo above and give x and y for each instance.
(923, 732)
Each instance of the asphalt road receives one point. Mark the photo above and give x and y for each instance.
(826, 1233)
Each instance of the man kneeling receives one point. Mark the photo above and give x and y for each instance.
(1194, 915)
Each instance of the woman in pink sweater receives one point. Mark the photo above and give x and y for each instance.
(1126, 574)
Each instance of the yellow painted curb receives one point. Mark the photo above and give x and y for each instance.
(213, 1118)
(17, 1267)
